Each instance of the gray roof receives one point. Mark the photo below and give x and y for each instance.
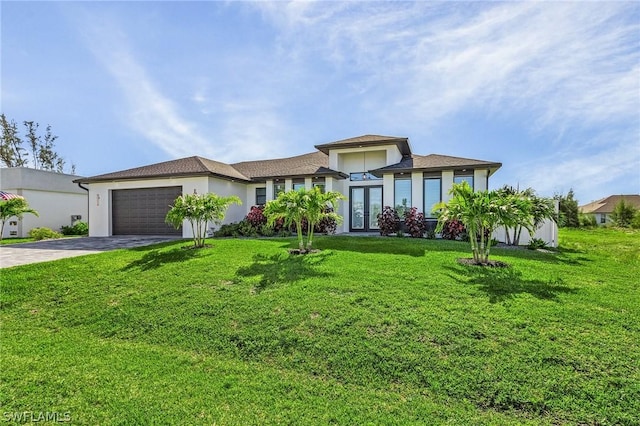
(435, 162)
(183, 167)
(608, 204)
(315, 163)
(368, 140)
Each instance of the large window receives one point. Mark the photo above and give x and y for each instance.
(298, 184)
(362, 176)
(402, 193)
(261, 196)
(432, 194)
(278, 187)
(460, 177)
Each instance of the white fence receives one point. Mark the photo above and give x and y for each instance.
(548, 233)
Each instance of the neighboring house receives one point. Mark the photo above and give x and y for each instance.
(371, 171)
(603, 208)
(58, 200)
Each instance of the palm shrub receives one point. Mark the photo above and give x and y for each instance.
(481, 213)
(414, 223)
(534, 211)
(388, 221)
(308, 206)
(13, 207)
(199, 211)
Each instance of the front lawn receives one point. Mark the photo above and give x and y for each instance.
(367, 331)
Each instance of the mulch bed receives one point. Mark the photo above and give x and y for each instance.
(299, 252)
(489, 264)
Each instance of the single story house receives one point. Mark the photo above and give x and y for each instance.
(372, 171)
(603, 207)
(58, 200)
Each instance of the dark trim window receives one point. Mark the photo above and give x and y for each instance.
(459, 177)
(261, 196)
(432, 194)
(298, 184)
(278, 187)
(362, 177)
(319, 183)
(603, 218)
(402, 193)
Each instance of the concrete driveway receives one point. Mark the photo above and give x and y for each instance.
(44, 251)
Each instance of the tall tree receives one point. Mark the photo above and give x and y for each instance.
(623, 214)
(12, 154)
(43, 154)
(568, 210)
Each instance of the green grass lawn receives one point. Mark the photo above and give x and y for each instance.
(367, 331)
(15, 240)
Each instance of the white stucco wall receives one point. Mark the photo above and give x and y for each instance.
(548, 232)
(53, 195)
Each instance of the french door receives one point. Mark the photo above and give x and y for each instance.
(365, 204)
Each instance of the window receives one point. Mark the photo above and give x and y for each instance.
(432, 194)
(460, 177)
(319, 183)
(362, 176)
(298, 184)
(278, 187)
(261, 196)
(603, 218)
(402, 192)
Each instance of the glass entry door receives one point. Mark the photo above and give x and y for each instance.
(365, 205)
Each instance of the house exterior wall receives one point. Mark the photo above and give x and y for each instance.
(53, 195)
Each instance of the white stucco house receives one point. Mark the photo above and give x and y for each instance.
(372, 171)
(58, 200)
(603, 208)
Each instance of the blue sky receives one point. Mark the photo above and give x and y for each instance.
(551, 90)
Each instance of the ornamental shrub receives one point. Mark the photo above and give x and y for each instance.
(452, 230)
(78, 228)
(256, 216)
(388, 221)
(414, 223)
(44, 234)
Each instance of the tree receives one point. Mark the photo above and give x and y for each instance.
(481, 213)
(567, 210)
(320, 206)
(17, 207)
(294, 207)
(11, 152)
(535, 211)
(199, 210)
(623, 214)
(43, 155)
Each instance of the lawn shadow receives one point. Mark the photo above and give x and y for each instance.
(373, 244)
(154, 258)
(283, 268)
(501, 284)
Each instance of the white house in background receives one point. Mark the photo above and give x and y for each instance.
(55, 196)
(372, 171)
(603, 208)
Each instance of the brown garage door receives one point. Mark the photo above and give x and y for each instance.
(142, 211)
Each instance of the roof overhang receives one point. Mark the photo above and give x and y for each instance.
(492, 167)
(98, 179)
(401, 143)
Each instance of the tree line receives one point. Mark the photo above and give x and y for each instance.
(39, 152)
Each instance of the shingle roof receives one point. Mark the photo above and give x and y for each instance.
(190, 166)
(315, 163)
(607, 204)
(434, 162)
(368, 140)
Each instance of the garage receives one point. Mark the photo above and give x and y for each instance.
(141, 211)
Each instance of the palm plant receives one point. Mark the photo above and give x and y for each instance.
(319, 206)
(481, 213)
(199, 211)
(311, 206)
(16, 206)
